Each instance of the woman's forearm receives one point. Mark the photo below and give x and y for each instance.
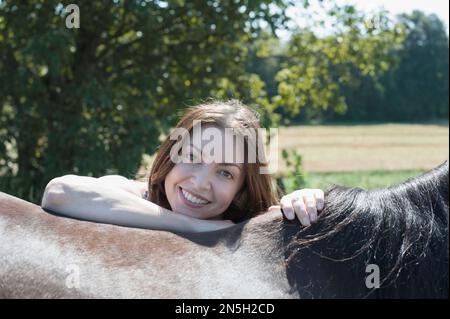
(90, 199)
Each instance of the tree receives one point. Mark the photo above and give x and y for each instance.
(317, 69)
(418, 88)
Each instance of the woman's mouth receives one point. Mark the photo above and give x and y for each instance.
(191, 200)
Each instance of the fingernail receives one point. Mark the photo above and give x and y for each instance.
(313, 218)
(290, 214)
(320, 206)
(305, 221)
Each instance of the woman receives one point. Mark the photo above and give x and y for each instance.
(188, 190)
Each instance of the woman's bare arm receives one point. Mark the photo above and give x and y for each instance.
(108, 200)
(134, 187)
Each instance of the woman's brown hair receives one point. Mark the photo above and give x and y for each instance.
(257, 193)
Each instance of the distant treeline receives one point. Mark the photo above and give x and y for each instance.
(413, 88)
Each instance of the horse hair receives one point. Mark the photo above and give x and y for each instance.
(403, 229)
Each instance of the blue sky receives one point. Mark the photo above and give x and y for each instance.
(438, 7)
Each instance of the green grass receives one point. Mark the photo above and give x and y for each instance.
(363, 179)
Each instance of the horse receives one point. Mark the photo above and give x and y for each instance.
(381, 243)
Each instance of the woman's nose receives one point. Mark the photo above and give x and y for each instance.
(201, 179)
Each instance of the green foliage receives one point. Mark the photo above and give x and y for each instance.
(419, 85)
(416, 87)
(371, 68)
(296, 174)
(317, 68)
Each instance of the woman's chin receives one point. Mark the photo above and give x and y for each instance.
(187, 213)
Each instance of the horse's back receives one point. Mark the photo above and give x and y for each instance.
(44, 255)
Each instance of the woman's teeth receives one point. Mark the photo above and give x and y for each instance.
(193, 199)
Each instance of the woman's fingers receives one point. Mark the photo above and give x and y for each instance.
(305, 204)
(301, 212)
(320, 199)
(292, 206)
(286, 207)
(311, 209)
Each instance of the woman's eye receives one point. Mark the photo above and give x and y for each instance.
(226, 174)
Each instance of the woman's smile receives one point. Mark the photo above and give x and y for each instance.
(191, 200)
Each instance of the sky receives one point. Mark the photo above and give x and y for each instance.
(438, 7)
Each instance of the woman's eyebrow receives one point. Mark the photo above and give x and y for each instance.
(231, 164)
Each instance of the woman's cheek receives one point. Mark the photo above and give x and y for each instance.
(226, 193)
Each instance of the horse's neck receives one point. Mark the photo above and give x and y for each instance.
(260, 234)
(254, 251)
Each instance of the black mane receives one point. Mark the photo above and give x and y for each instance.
(403, 229)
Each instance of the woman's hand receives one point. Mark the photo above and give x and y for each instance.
(304, 203)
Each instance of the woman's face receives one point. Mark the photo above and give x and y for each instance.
(206, 189)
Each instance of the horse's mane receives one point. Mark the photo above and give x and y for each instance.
(402, 229)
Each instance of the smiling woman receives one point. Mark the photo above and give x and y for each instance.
(202, 192)
(232, 192)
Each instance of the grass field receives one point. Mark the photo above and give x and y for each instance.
(367, 156)
(362, 179)
(367, 147)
